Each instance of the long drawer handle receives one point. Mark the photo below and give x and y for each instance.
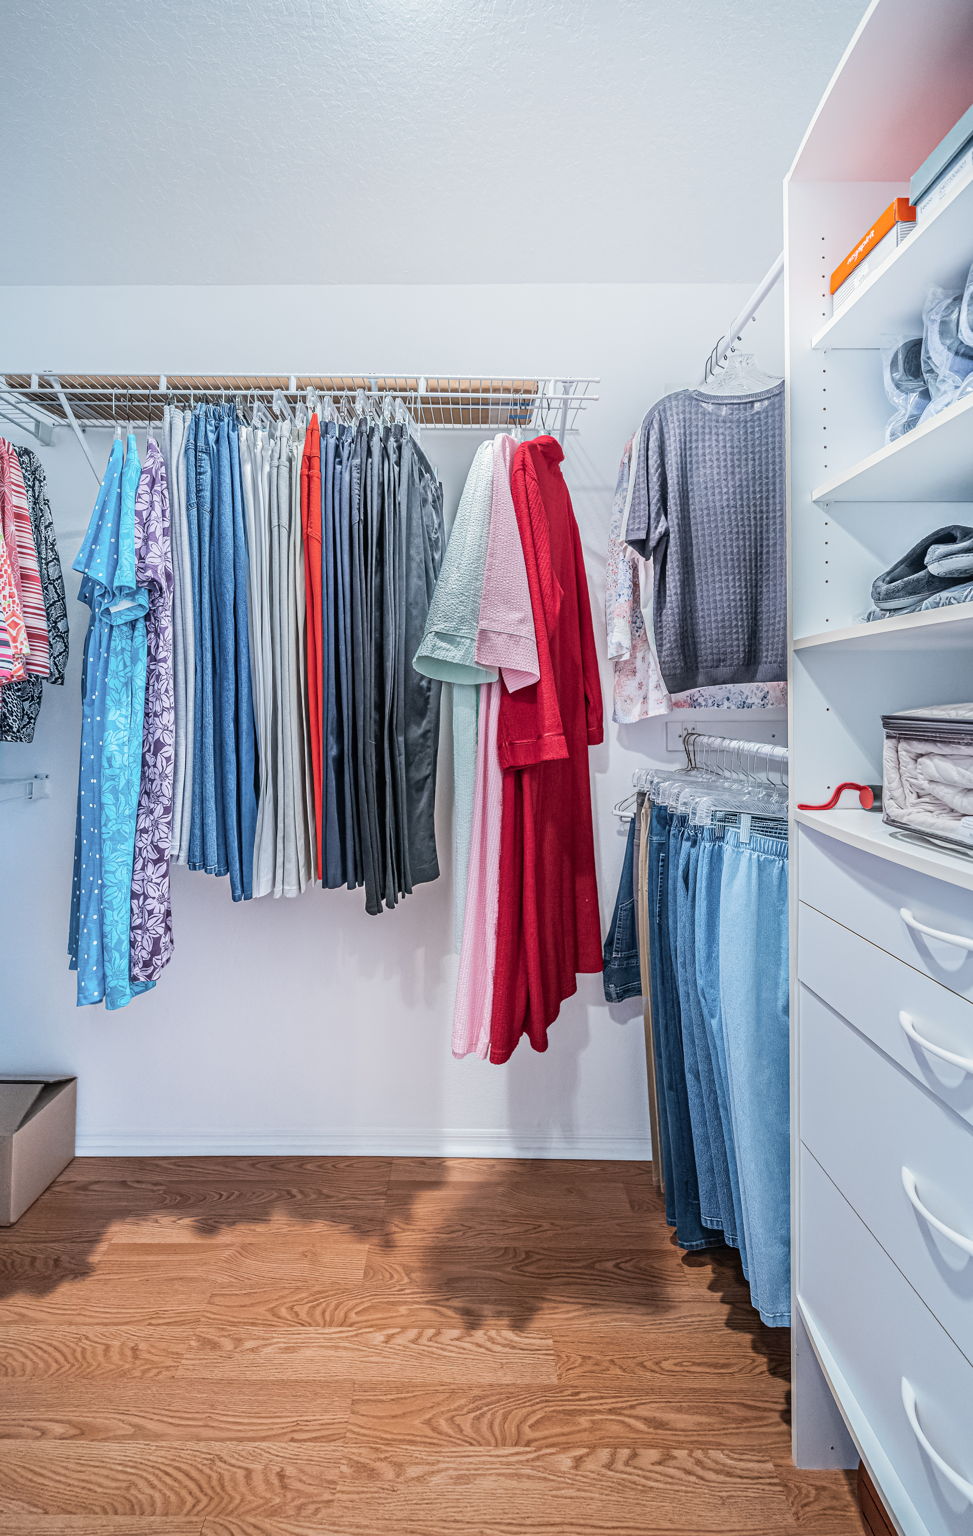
(949, 1473)
(909, 1025)
(911, 921)
(951, 1235)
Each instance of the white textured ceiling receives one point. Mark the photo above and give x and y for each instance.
(287, 141)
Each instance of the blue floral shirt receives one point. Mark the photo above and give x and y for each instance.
(113, 702)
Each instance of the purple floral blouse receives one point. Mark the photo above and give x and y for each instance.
(151, 909)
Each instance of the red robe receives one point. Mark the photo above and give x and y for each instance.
(548, 924)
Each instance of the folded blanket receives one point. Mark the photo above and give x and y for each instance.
(929, 787)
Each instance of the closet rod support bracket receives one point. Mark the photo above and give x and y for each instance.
(75, 427)
(32, 787)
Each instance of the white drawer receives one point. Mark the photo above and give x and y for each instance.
(885, 1341)
(870, 895)
(872, 1128)
(873, 990)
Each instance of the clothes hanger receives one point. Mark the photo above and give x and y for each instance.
(744, 791)
(280, 405)
(738, 375)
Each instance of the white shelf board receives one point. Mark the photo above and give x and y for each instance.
(932, 463)
(937, 253)
(936, 629)
(902, 84)
(866, 830)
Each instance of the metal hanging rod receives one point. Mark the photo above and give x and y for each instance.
(727, 343)
(729, 755)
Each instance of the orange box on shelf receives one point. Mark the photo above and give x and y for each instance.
(899, 211)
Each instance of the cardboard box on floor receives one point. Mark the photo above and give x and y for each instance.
(37, 1118)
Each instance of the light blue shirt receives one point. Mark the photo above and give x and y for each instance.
(113, 704)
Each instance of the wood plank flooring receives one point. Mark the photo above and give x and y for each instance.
(355, 1346)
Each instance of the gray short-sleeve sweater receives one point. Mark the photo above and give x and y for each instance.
(708, 507)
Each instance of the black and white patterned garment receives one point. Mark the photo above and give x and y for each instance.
(20, 702)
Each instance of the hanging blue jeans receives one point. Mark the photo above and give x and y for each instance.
(716, 1203)
(682, 1184)
(754, 1002)
(709, 875)
(622, 978)
(682, 957)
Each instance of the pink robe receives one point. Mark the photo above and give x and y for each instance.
(506, 641)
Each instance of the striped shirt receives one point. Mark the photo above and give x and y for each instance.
(13, 635)
(22, 550)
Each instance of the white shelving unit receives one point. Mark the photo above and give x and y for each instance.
(855, 507)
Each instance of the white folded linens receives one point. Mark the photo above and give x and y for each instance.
(929, 786)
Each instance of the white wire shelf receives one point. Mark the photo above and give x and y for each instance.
(45, 401)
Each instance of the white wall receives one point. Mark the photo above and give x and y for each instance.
(303, 1026)
(312, 141)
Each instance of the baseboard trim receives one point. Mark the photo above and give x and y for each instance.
(373, 1143)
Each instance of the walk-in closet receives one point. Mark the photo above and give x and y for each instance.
(486, 769)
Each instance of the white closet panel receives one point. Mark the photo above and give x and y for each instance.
(882, 923)
(872, 1129)
(884, 1340)
(886, 904)
(917, 1023)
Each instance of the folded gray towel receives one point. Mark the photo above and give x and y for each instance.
(911, 580)
(961, 594)
(953, 558)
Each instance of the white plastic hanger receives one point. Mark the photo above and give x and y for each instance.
(739, 375)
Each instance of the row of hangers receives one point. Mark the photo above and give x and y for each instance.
(376, 409)
(721, 781)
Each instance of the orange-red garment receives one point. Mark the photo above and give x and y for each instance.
(548, 926)
(311, 524)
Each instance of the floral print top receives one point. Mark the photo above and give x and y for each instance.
(151, 936)
(639, 691)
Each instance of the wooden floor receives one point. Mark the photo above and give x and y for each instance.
(377, 1347)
